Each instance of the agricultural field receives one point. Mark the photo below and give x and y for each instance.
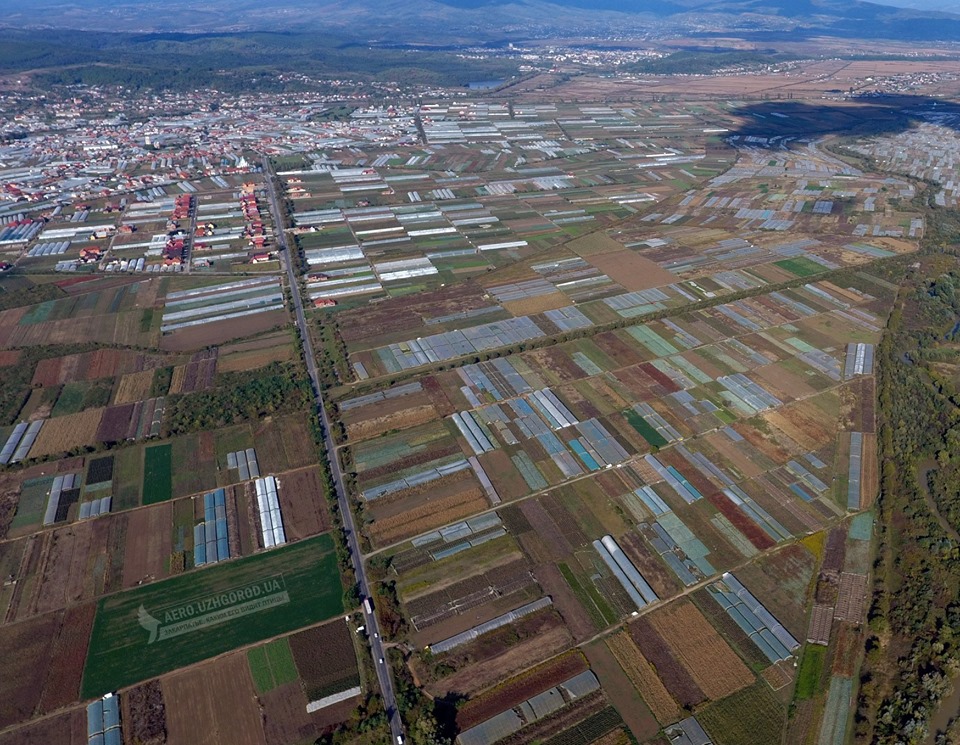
(190, 616)
(271, 665)
(678, 404)
(213, 312)
(602, 381)
(153, 388)
(206, 694)
(149, 472)
(325, 660)
(46, 656)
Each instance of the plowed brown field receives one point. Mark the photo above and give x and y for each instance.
(699, 648)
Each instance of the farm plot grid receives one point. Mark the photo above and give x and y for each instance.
(729, 442)
(651, 477)
(707, 247)
(702, 381)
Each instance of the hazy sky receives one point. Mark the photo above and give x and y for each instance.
(952, 6)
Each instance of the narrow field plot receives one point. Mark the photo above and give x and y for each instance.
(128, 477)
(69, 728)
(513, 691)
(623, 695)
(804, 720)
(460, 603)
(66, 433)
(644, 677)
(431, 512)
(258, 352)
(394, 452)
(671, 671)
(122, 329)
(303, 503)
(810, 671)
(271, 665)
(754, 716)
(428, 576)
(209, 704)
(157, 473)
(593, 601)
(326, 659)
(62, 686)
(134, 387)
(663, 582)
(11, 556)
(150, 544)
(388, 414)
(26, 649)
(220, 332)
(710, 661)
(254, 359)
(781, 582)
(490, 660)
(574, 615)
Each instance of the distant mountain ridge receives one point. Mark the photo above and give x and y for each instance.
(457, 20)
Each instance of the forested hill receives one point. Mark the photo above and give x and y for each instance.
(230, 62)
(467, 21)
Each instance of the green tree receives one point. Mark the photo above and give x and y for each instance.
(426, 731)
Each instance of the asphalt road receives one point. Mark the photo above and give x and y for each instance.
(373, 626)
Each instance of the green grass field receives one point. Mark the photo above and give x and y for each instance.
(76, 397)
(647, 432)
(590, 598)
(752, 716)
(33, 502)
(811, 668)
(272, 665)
(38, 313)
(151, 630)
(833, 729)
(127, 478)
(70, 400)
(157, 470)
(801, 266)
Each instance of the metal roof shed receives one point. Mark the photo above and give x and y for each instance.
(111, 712)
